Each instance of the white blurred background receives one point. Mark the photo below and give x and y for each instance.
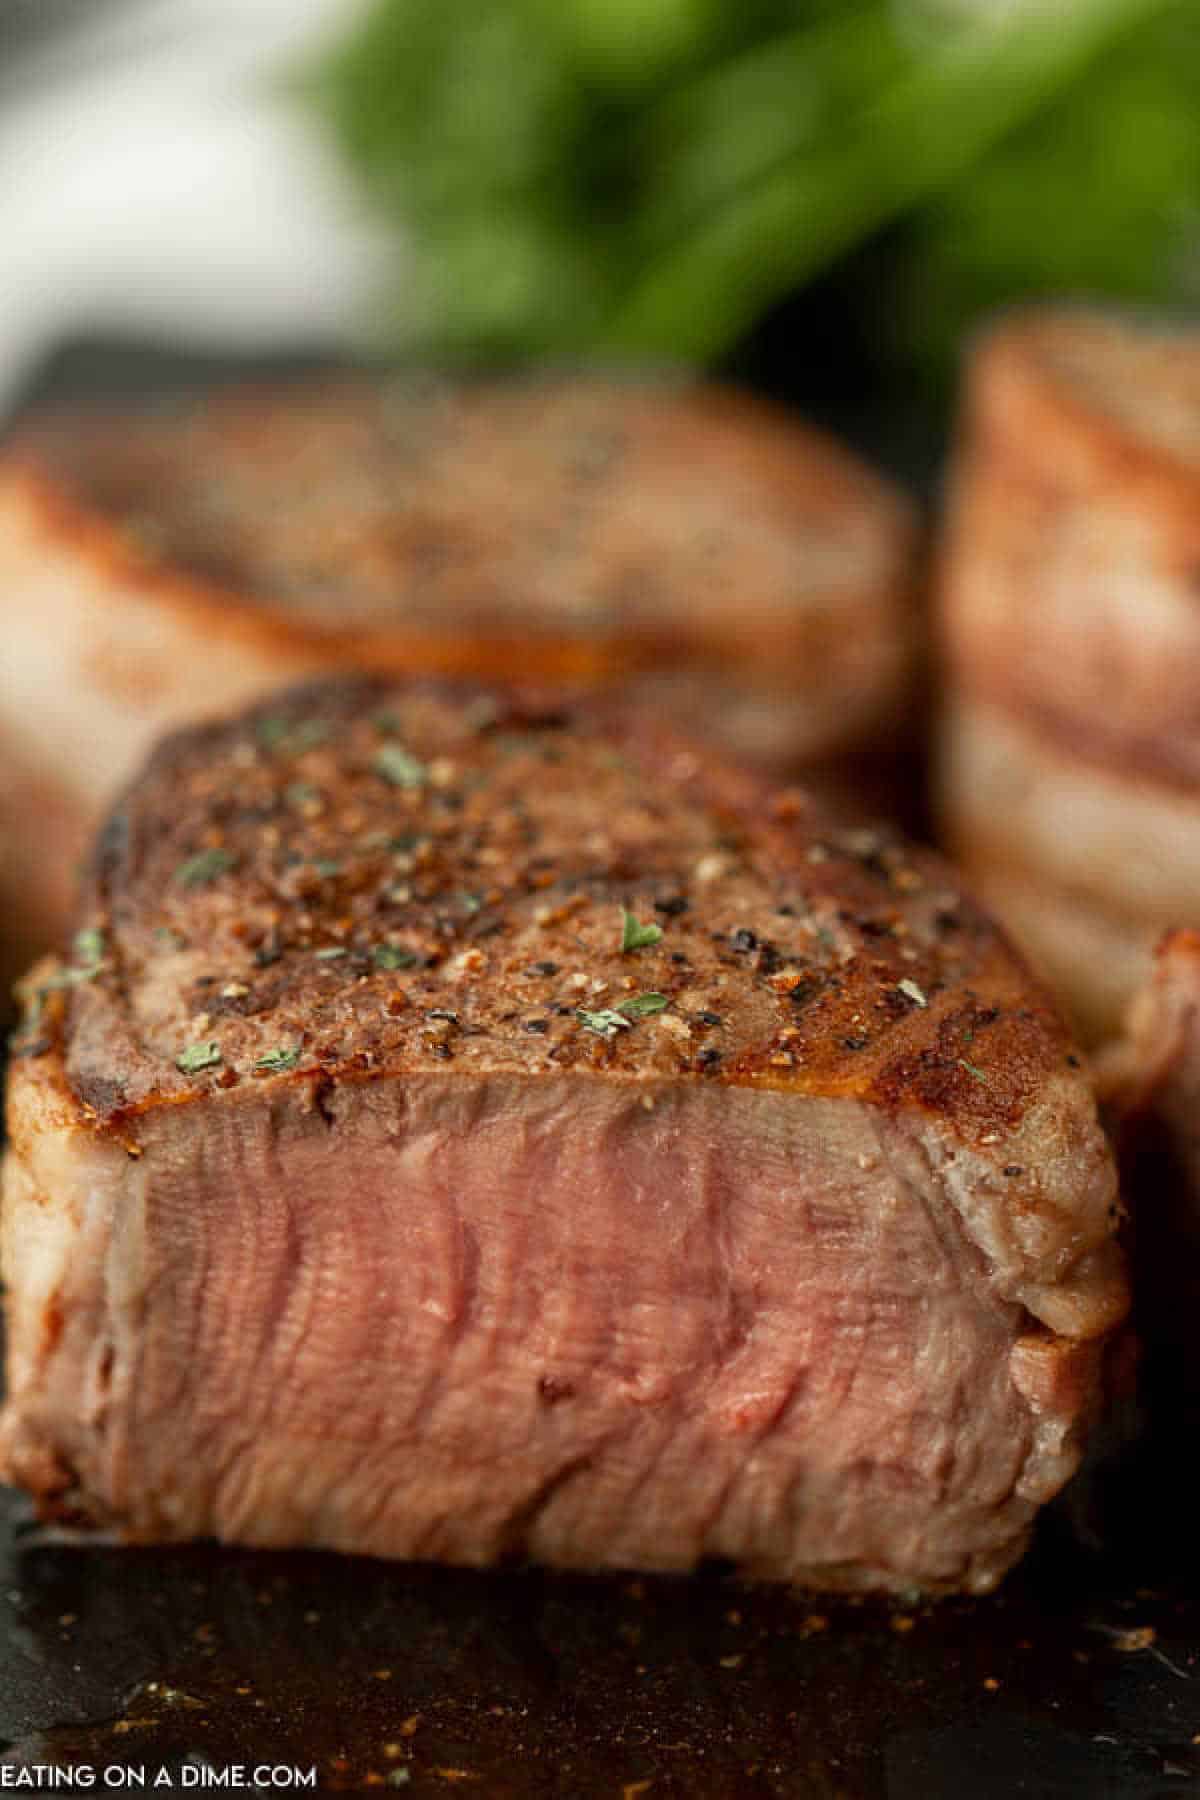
(157, 179)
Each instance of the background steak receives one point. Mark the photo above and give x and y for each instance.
(1070, 763)
(724, 563)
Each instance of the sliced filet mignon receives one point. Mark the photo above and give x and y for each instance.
(723, 563)
(474, 1125)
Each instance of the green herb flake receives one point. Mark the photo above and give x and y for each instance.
(280, 1059)
(912, 992)
(74, 977)
(308, 734)
(271, 732)
(32, 1002)
(204, 867)
(327, 868)
(331, 953)
(295, 735)
(642, 1006)
(387, 724)
(89, 946)
(197, 1057)
(395, 764)
(34, 998)
(972, 1070)
(391, 956)
(636, 936)
(605, 1024)
(300, 794)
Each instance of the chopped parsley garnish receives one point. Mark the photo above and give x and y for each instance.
(281, 1058)
(331, 953)
(391, 956)
(327, 868)
(635, 935)
(297, 734)
(205, 866)
(198, 1056)
(605, 1023)
(301, 793)
(271, 732)
(641, 1006)
(89, 946)
(33, 997)
(387, 724)
(972, 1070)
(308, 734)
(395, 764)
(912, 992)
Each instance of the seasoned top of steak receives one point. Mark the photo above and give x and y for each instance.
(601, 520)
(362, 877)
(1106, 390)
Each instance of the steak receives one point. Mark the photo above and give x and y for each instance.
(475, 1124)
(1070, 762)
(1150, 1082)
(722, 563)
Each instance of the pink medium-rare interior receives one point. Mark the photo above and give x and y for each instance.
(594, 1322)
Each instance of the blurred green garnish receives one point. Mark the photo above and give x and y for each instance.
(651, 176)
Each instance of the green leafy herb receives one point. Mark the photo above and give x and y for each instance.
(391, 956)
(281, 1058)
(387, 724)
(634, 935)
(300, 794)
(327, 868)
(199, 1056)
(659, 174)
(395, 764)
(204, 867)
(642, 1006)
(89, 946)
(972, 1070)
(605, 1023)
(330, 953)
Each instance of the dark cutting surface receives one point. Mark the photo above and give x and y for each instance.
(1075, 1680)
(1080, 1678)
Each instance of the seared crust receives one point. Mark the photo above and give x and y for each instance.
(555, 528)
(250, 885)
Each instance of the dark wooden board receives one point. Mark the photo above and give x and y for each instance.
(1075, 1680)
